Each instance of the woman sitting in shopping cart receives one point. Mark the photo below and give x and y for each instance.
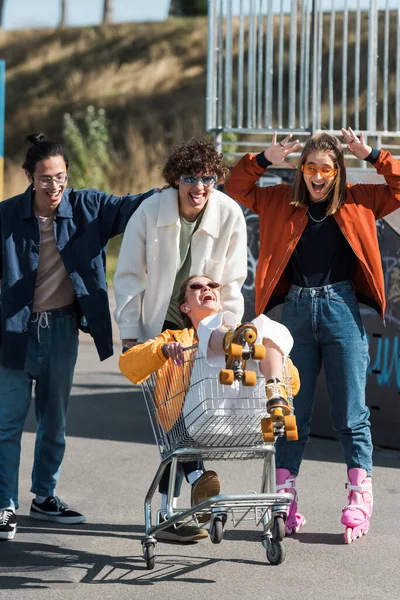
(212, 329)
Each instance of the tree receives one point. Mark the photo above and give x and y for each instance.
(188, 8)
(63, 17)
(108, 8)
(2, 4)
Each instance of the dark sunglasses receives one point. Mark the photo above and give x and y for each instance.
(199, 286)
(206, 180)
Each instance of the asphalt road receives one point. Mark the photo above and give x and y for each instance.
(110, 460)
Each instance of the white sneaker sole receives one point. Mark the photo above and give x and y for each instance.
(57, 519)
(8, 535)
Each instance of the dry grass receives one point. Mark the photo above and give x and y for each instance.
(150, 78)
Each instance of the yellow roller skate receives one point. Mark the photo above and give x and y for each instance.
(282, 421)
(240, 346)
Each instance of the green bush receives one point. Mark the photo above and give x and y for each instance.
(88, 149)
(189, 8)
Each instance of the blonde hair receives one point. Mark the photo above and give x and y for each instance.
(322, 142)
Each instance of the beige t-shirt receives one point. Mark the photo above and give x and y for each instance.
(53, 286)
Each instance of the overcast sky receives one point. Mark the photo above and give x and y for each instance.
(46, 13)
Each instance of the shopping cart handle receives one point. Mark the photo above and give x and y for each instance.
(194, 347)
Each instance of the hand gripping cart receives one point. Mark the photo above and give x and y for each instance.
(194, 417)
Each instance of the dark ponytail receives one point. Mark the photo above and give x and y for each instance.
(40, 149)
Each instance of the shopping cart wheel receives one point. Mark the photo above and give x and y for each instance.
(149, 554)
(226, 377)
(275, 552)
(278, 529)
(249, 378)
(216, 531)
(259, 352)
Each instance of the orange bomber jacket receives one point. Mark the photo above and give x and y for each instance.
(281, 226)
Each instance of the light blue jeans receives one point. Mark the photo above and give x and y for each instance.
(50, 362)
(326, 325)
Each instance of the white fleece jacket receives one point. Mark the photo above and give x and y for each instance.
(149, 257)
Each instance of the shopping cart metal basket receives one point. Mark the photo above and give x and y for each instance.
(194, 417)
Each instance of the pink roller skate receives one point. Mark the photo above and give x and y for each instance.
(357, 513)
(285, 482)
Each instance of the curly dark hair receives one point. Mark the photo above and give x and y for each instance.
(198, 155)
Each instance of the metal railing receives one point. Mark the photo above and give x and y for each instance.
(294, 66)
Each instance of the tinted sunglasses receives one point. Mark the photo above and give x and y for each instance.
(206, 180)
(323, 171)
(213, 285)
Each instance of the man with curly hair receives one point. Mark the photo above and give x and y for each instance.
(188, 229)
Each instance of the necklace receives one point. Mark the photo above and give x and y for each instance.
(316, 220)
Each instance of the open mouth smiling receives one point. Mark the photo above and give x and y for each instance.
(207, 296)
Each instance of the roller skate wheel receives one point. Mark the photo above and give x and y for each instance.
(348, 535)
(267, 429)
(250, 336)
(290, 422)
(226, 377)
(259, 352)
(249, 378)
(235, 350)
(277, 414)
(292, 436)
(291, 428)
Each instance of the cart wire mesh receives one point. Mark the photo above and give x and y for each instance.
(190, 409)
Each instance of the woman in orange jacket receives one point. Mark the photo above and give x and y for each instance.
(319, 255)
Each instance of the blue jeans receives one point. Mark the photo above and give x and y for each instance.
(326, 325)
(50, 362)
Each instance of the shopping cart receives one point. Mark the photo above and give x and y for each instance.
(194, 417)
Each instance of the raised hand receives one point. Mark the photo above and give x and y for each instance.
(277, 152)
(356, 145)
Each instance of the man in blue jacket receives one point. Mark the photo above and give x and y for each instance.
(52, 268)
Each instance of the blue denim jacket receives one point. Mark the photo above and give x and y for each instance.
(83, 224)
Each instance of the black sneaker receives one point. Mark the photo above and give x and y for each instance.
(8, 524)
(181, 533)
(54, 509)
